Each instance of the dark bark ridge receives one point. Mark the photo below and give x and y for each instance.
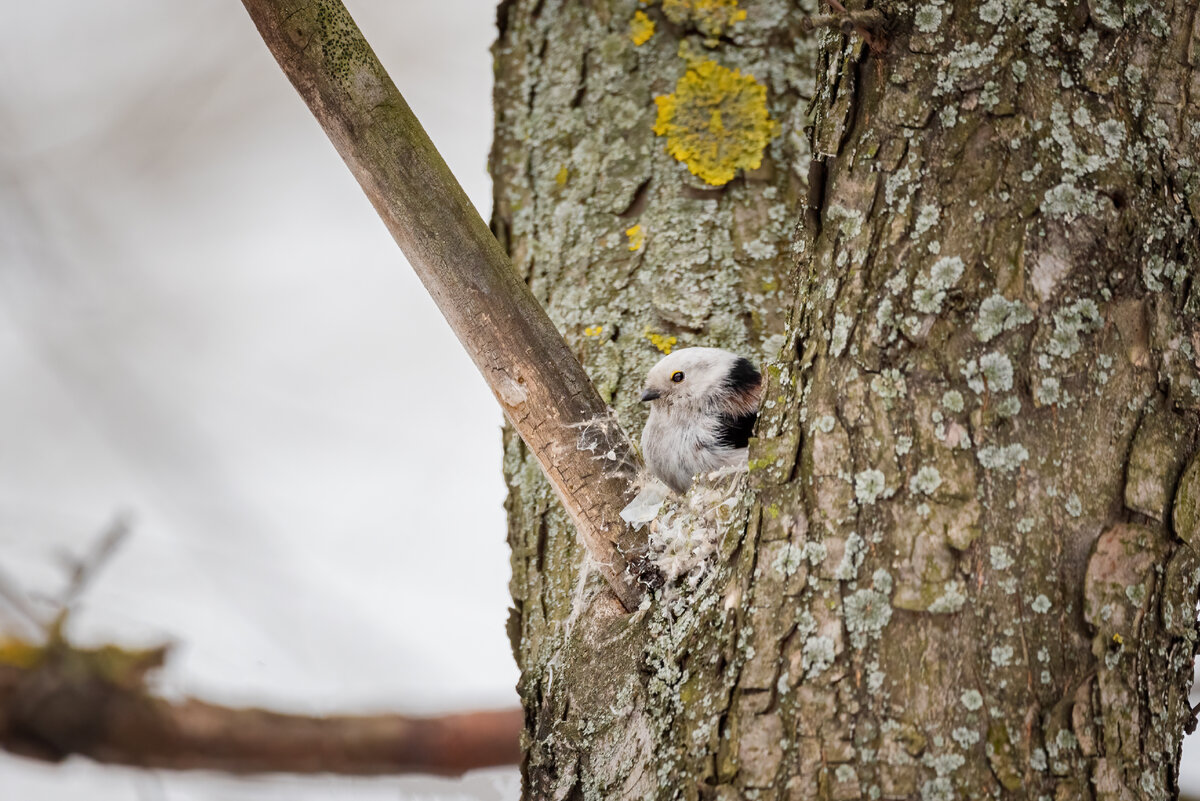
(970, 567)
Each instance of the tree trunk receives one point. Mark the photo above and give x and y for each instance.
(965, 563)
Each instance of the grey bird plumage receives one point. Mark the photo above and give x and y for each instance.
(703, 404)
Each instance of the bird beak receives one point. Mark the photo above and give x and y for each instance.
(650, 394)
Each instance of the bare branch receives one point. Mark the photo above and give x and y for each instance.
(85, 568)
(542, 388)
(82, 571)
(57, 701)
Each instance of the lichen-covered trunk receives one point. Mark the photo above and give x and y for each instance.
(966, 561)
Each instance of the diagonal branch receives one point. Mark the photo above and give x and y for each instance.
(57, 701)
(542, 388)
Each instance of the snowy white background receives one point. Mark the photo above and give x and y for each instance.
(202, 321)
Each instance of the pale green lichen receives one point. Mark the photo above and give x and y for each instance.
(1002, 655)
(1048, 392)
(1136, 594)
(1001, 560)
(927, 217)
(931, 286)
(849, 221)
(951, 600)
(816, 552)
(882, 580)
(841, 331)
(926, 481)
(868, 486)
(852, 557)
(928, 18)
(1069, 201)
(972, 700)
(965, 737)
(1009, 406)
(889, 385)
(1006, 458)
(992, 11)
(992, 373)
(817, 655)
(963, 58)
(998, 314)
(1073, 505)
(789, 559)
(866, 612)
(938, 789)
(1077, 318)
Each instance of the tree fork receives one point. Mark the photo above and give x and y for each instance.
(540, 384)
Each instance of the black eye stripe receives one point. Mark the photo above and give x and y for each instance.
(677, 376)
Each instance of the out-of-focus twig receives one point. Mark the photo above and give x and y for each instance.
(57, 701)
(86, 568)
(82, 571)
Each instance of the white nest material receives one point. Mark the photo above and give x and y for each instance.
(684, 537)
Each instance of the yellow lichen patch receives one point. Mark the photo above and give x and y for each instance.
(593, 331)
(20, 654)
(716, 121)
(661, 341)
(711, 17)
(641, 28)
(637, 237)
(561, 178)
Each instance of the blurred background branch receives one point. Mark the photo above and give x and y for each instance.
(58, 700)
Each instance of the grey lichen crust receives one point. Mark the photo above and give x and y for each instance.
(966, 562)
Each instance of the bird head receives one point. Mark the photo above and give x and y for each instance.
(700, 377)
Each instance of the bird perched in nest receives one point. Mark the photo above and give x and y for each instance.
(703, 404)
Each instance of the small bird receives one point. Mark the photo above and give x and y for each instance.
(703, 404)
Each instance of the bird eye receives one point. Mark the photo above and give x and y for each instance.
(677, 376)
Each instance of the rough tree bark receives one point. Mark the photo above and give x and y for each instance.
(966, 562)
